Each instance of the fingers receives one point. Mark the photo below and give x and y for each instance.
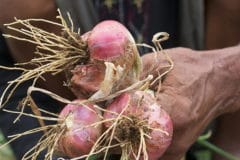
(178, 109)
(175, 97)
(148, 65)
(151, 67)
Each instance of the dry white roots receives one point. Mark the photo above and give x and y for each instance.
(54, 54)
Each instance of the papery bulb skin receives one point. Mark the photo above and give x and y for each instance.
(108, 41)
(141, 106)
(79, 137)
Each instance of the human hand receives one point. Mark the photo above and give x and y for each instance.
(193, 93)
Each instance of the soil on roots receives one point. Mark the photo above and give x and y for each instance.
(129, 130)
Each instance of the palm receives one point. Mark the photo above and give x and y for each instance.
(183, 96)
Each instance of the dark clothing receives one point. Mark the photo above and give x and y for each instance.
(23, 144)
(143, 21)
(6, 119)
(139, 22)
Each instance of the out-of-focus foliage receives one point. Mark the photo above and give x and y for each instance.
(5, 152)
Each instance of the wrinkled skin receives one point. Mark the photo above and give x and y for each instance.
(201, 86)
(225, 34)
(222, 30)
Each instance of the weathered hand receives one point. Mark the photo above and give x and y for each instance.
(193, 93)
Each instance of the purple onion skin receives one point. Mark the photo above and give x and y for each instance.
(108, 41)
(149, 110)
(78, 138)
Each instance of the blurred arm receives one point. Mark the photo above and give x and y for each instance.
(23, 51)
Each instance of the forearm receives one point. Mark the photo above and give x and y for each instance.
(228, 61)
(225, 78)
(44, 9)
(26, 9)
